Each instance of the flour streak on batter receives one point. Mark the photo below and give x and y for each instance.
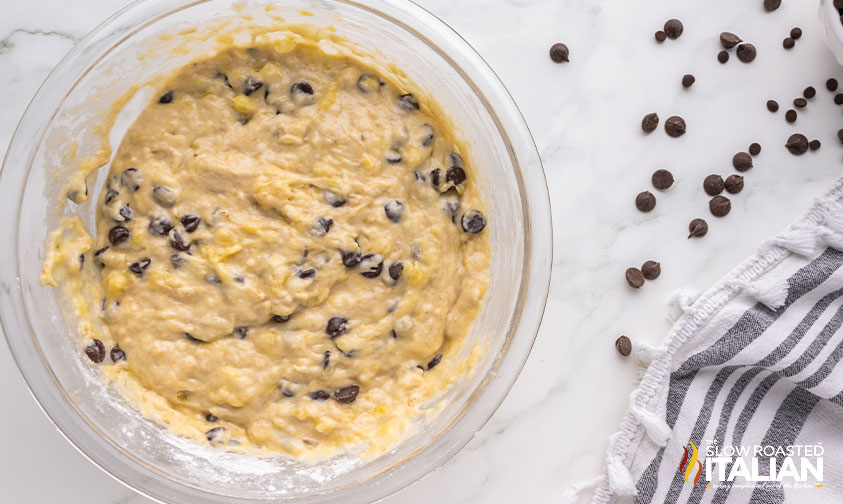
(289, 248)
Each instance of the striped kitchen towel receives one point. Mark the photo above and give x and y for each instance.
(744, 401)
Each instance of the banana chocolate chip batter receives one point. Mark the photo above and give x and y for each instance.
(289, 248)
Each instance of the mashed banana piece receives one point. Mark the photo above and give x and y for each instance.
(288, 247)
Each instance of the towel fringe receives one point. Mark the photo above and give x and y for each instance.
(799, 239)
(571, 495)
(644, 354)
(653, 424)
(832, 238)
(771, 293)
(620, 480)
(832, 213)
(681, 303)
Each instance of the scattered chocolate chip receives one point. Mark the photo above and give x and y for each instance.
(673, 28)
(650, 122)
(742, 161)
(110, 194)
(351, 259)
(697, 228)
(797, 144)
(800, 102)
(814, 144)
(393, 157)
(795, 33)
(755, 148)
(434, 361)
(661, 36)
(790, 116)
(719, 206)
(645, 201)
(371, 265)
(713, 185)
(651, 270)
(138, 267)
(734, 184)
(190, 222)
(473, 222)
(301, 93)
(840, 135)
(117, 354)
(394, 210)
(118, 235)
(307, 273)
(788, 43)
(559, 53)
(160, 226)
(369, 83)
(395, 269)
(337, 326)
(164, 196)
(95, 351)
(723, 57)
(210, 417)
(280, 318)
(251, 85)
(634, 277)
(131, 179)
(729, 40)
(771, 5)
(746, 53)
(214, 434)
(809, 92)
(408, 102)
(624, 346)
(772, 105)
(320, 395)
(674, 126)
(831, 84)
(166, 98)
(688, 80)
(178, 241)
(662, 179)
(347, 395)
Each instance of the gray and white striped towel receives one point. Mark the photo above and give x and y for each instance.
(748, 384)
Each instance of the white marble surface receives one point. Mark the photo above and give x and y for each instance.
(552, 430)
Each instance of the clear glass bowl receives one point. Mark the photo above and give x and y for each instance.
(146, 456)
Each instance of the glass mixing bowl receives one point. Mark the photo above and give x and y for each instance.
(128, 49)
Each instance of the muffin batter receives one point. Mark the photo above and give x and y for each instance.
(289, 248)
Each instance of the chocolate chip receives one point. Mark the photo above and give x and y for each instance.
(436, 178)
(251, 85)
(797, 144)
(427, 135)
(720, 206)
(742, 161)
(734, 184)
(160, 226)
(840, 135)
(241, 331)
(800, 102)
(287, 393)
(713, 185)
(213, 279)
(320, 395)
(118, 235)
(164, 196)
(451, 208)
(673, 28)
(280, 318)
(559, 53)
(189, 337)
(697, 228)
(138, 267)
(210, 417)
(307, 273)
(125, 214)
(419, 176)
(337, 326)
(772, 105)
(473, 222)
(746, 53)
(326, 359)
(788, 43)
(688, 80)
(131, 179)
(814, 144)
(110, 194)
(722, 57)
(176, 260)
(634, 277)
(645, 201)
(351, 259)
(809, 92)
(662, 179)
(729, 40)
(178, 241)
(347, 395)
(795, 33)
(393, 157)
(333, 199)
(322, 227)
(790, 116)
(838, 99)
(214, 434)
(455, 176)
(395, 269)
(95, 351)
(831, 84)
(661, 36)
(651, 270)
(117, 354)
(394, 210)
(166, 97)
(434, 361)
(771, 5)
(650, 122)
(674, 126)
(755, 148)
(371, 265)
(301, 93)
(408, 102)
(190, 222)
(369, 83)
(624, 346)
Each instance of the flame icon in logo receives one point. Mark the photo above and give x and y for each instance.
(687, 466)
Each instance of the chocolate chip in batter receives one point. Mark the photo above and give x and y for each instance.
(118, 235)
(117, 354)
(650, 122)
(729, 40)
(178, 241)
(251, 85)
(742, 161)
(213, 279)
(427, 135)
(673, 28)
(347, 395)
(139, 266)
(393, 157)
(697, 228)
(125, 214)
(131, 179)
(408, 102)
(322, 227)
(634, 277)
(210, 417)
(473, 222)
(306, 273)
(797, 144)
(326, 359)
(371, 265)
(190, 221)
(110, 194)
(369, 83)
(734, 184)
(455, 176)
(301, 93)
(434, 361)
(651, 270)
(662, 179)
(720, 206)
(280, 318)
(214, 434)
(287, 392)
(160, 226)
(97, 253)
(166, 98)
(189, 337)
(337, 326)
(320, 395)
(351, 259)
(395, 269)
(95, 351)
(436, 178)
(419, 176)
(164, 196)
(645, 201)
(713, 184)
(333, 199)
(675, 126)
(456, 160)
(451, 208)
(176, 260)
(241, 331)
(394, 210)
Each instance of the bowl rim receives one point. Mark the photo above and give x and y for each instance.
(535, 280)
